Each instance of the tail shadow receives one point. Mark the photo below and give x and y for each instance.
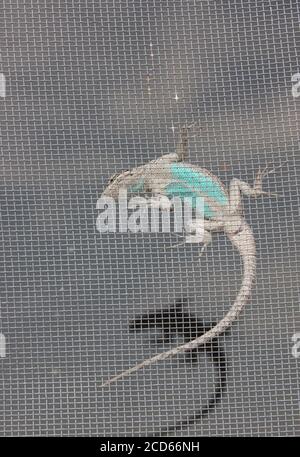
(174, 321)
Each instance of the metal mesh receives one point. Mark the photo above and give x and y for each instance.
(98, 87)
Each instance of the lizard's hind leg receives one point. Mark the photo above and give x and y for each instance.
(196, 235)
(237, 188)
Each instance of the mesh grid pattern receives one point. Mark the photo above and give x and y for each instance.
(98, 87)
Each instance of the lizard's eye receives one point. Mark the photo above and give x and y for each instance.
(116, 175)
(113, 177)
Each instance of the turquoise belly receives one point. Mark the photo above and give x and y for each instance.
(192, 184)
(180, 190)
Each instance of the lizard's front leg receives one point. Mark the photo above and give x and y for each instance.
(181, 149)
(182, 146)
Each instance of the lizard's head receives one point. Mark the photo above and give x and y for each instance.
(129, 180)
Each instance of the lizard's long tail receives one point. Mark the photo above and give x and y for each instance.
(244, 241)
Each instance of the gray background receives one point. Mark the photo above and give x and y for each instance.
(98, 87)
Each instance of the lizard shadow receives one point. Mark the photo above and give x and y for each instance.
(176, 321)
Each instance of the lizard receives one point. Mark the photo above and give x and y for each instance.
(173, 321)
(170, 176)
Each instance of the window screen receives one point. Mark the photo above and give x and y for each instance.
(89, 89)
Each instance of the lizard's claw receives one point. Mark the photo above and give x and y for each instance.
(268, 170)
(190, 126)
(262, 173)
(270, 194)
(202, 250)
(207, 239)
(177, 244)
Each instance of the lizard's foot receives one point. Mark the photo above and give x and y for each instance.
(177, 244)
(258, 183)
(198, 234)
(207, 239)
(188, 239)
